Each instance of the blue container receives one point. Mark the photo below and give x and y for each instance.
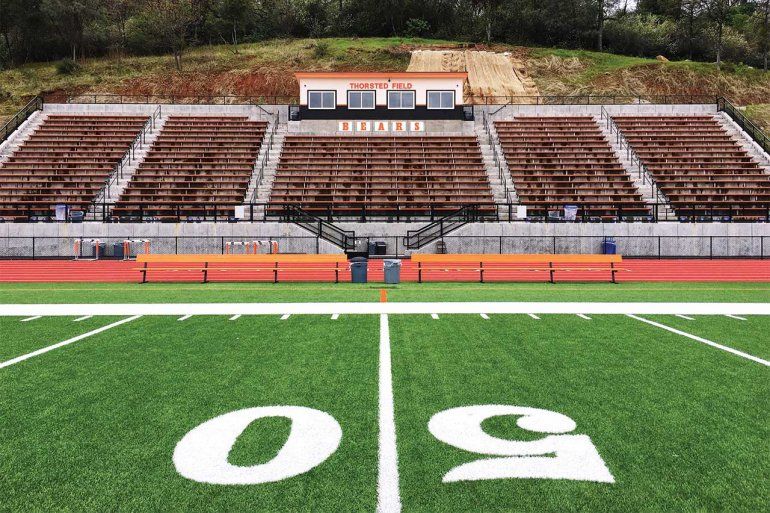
(609, 246)
(359, 269)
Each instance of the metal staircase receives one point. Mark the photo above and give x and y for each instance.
(319, 227)
(416, 239)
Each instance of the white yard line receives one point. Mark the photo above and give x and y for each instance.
(34, 318)
(534, 317)
(449, 308)
(702, 340)
(84, 318)
(584, 316)
(66, 342)
(335, 317)
(184, 317)
(484, 316)
(686, 318)
(285, 317)
(434, 316)
(235, 317)
(388, 498)
(735, 317)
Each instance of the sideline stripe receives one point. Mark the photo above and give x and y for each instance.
(36, 317)
(584, 316)
(285, 316)
(484, 316)
(85, 317)
(735, 317)
(184, 317)
(235, 317)
(703, 340)
(335, 317)
(686, 318)
(388, 498)
(434, 316)
(449, 308)
(66, 342)
(534, 317)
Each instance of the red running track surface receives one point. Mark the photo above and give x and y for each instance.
(105, 271)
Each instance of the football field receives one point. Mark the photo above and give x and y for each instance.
(490, 399)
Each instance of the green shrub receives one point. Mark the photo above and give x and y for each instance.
(67, 67)
(416, 27)
(321, 49)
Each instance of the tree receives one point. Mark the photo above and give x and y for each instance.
(604, 12)
(765, 32)
(719, 12)
(118, 13)
(235, 14)
(71, 18)
(165, 24)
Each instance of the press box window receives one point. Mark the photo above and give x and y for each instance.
(401, 99)
(441, 99)
(321, 100)
(360, 99)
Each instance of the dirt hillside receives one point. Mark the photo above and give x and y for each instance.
(494, 77)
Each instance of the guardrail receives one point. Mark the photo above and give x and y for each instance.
(20, 117)
(490, 212)
(130, 154)
(642, 170)
(593, 99)
(170, 99)
(268, 142)
(498, 159)
(748, 126)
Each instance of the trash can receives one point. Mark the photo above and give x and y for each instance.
(392, 271)
(117, 250)
(359, 268)
(380, 248)
(372, 248)
(609, 247)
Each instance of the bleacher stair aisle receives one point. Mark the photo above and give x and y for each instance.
(702, 169)
(198, 168)
(65, 161)
(561, 161)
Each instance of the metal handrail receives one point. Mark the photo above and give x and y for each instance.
(20, 117)
(496, 157)
(642, 169)
(141, 138)
(748, 126)
(265, 158)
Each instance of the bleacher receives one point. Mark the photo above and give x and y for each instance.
(199, 167)
(560, 161)
(698, 166)
(65, 161)
(381, 175)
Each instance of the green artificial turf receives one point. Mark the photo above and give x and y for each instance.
(679, 424)
(18, 338)
(93, 426)
(751, 336)
(315, 292)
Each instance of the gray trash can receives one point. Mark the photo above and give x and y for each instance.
(392, 271)
(117, 250)
(359, 268)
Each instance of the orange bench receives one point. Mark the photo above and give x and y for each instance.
(273, 264)
(481, 264)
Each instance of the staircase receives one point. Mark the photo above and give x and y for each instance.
(319, 227)
(744, 140)
(117, 185)
(416, 239)
(265, 168)
(630, 163)
(495, 166)
(21, 135)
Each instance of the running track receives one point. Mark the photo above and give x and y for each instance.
(639, 270)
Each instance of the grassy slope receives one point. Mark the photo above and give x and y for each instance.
(408, 292)
(266, 69)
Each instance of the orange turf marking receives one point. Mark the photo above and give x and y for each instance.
(383, 296)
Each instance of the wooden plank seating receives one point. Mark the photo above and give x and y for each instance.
(559, 161)
(700, 168)
(505, 267)
(66, 160)
(198, 164)
(381, 174)
(243, 267)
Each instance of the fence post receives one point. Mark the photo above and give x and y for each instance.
(33, 248)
